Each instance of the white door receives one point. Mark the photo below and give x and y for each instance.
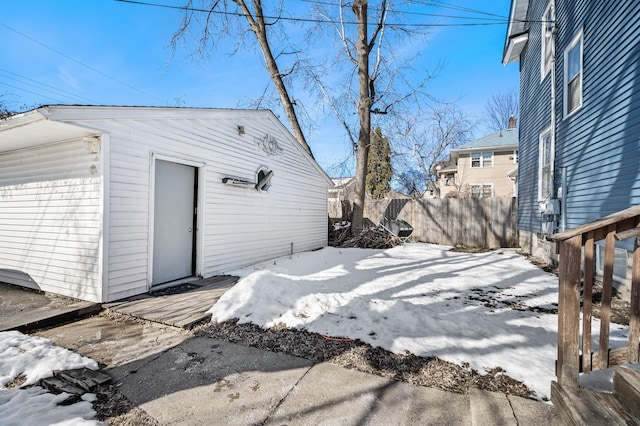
(173, 224)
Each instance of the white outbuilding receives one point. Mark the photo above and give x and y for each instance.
(102, 203)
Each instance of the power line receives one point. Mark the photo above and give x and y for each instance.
(435, 15)
(445, 5)
(39, 85)
(80, 63)
(440, 3)
(308, 20)
(59, 100)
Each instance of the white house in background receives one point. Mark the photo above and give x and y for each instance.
(101, 203)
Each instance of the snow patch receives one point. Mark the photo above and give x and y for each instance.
(35, 358)
(422, 298)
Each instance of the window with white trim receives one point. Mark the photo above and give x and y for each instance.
(481, 159)
(544, 165)
(478, 190)
(573, 56)
(547, 42)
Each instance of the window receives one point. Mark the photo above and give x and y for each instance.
(547, 42)
(487, 159)
(482, 159)
(573, 75)
(476, 160)
(481, 190)
(544, 165)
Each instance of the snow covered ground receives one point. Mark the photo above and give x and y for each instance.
(461, 307)
(35, 358)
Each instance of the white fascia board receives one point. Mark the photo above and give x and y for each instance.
(517, 28)
(34, 128)
(91, 112)
(494, 148)
(22, 119)
(514, 48)
(447, 170)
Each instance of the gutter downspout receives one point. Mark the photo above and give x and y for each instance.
(552, 170)
(563, 195)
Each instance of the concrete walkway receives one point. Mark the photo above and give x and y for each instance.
(179, 379)
(203, 381)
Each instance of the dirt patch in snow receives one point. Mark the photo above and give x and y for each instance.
(620, 308)
(423, 371)
(459, 248)
(540, 263)
(115, 409)
(17, 382)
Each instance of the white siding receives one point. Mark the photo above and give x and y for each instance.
(240, 225)
(50, 219)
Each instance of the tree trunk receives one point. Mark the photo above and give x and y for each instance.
(260, 30)
(364, 114)
(285, 100)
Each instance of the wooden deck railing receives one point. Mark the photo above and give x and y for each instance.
(569, 245)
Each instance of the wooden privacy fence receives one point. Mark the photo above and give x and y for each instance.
(472, 222)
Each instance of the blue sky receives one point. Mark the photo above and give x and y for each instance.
(110, 53)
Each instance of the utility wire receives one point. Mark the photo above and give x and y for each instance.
(80, 63)
(309, 20)
(445, 5)
(43, 86)
(406, 12)
(59, 100)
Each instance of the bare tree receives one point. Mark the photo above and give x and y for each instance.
(4, 113)
(411, 182)
(425, 140)
(217, 21)
(500, 107)
(365, 84)
(4, 108)
(374, 83)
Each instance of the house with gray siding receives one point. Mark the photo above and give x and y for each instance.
(102, 203)
(579, 156)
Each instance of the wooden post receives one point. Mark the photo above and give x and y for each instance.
(587, 295)
(569, 311)
(607, 290)
(634, 315)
